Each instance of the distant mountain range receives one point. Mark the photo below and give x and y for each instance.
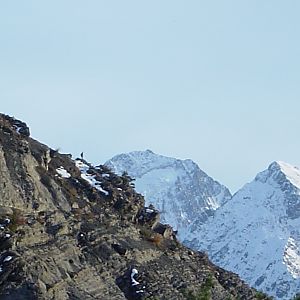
(254, 233)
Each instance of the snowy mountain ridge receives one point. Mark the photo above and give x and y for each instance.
(292, 173)
(254, 233)
(178, 188)
(257, 233)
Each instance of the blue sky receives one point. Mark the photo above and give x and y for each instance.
(214, 81)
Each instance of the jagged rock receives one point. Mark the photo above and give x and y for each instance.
(119, 248)
(19, 126)
(165, 230)
(69, 239)
(150, 216)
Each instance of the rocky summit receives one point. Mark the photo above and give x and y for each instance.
(71, 230)
(179, 189)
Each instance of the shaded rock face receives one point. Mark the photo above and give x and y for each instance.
(179, 189)
(69, 230)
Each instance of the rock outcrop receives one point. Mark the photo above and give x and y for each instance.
(69, 230)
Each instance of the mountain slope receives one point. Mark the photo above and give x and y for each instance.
(257, 232)
(179, 189)
(69, 230)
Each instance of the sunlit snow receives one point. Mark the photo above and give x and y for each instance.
(133, 273)
(255, 236)
(292, 173)
(179, 189)
(7, 258)
(89, 178)
(63, 173)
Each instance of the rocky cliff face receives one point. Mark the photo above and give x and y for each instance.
(69, 230)
(256, 233)
(179, 189)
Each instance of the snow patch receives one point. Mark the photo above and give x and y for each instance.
(5, 223)
(17, 128)
(134, 282)
(88, 177)
(7, 258)
(133, 273)
(63, 173)
(291, 257)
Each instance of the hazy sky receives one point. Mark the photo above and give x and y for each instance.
(214, 81)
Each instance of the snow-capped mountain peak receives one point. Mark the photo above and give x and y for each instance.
(291, 173)
(283, 176)
(178, 188)
(278, 171)
(138, 163)
(256, 233)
